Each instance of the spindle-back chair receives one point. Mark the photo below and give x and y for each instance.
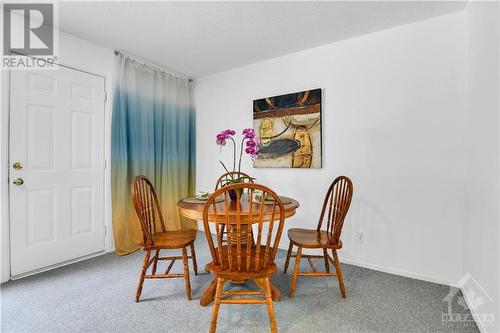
(335, 207)
(223, 181)
(244, 260)
(156, 237)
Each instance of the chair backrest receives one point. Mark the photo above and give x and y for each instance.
(337, 201)
(147, 208)
(245, 252)
(222, 181)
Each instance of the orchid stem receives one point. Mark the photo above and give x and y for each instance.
(241, 154)
(234, 155)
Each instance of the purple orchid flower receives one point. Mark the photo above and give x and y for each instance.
(249, 140)
(252, 148)
(223, 136)
(251, 143)
(249, 133)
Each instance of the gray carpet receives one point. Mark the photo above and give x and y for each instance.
(97, 295)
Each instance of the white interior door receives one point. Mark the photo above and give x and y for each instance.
(56, 133)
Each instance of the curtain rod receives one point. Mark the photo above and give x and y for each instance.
(155, 67)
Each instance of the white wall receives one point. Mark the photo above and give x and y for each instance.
(79, 54)
(481, 232)
(393, 121)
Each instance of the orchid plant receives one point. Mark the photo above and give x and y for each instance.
(249, 144)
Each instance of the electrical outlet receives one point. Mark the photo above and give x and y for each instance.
(360, 237)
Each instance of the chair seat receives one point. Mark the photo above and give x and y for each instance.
(174, 239)
(312, 238)
(235, 275)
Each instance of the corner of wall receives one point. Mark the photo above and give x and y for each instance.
(481, 252)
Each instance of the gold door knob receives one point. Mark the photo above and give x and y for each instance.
(17, 165)
(18, 181)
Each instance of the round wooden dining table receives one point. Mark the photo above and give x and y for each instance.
(193, 209)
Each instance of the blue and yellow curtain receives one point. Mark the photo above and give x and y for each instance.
(153, 134)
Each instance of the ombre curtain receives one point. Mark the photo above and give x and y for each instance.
(153, 134)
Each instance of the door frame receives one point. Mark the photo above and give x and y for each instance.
(5, 248)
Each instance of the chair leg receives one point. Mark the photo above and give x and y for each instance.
(270, 308)
(193, 257)
(186, 273)
(295, 272)
(155, 262)
(289, 254)
(215, 311)
(327, 262)
(143, 273)
(338, 269)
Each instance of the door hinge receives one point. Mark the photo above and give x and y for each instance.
(105, 96)
(105, 164)
(105, 230)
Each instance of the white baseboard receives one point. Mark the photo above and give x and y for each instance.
(375, 267)
(399, 272)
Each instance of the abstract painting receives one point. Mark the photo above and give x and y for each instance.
(289, 130)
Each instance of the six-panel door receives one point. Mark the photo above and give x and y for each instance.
(56, 133)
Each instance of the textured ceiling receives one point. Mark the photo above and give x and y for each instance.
(200, 38)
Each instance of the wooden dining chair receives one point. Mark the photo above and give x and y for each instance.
(156, 237)
(335, 207)
(244, 260)
(222, 181)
